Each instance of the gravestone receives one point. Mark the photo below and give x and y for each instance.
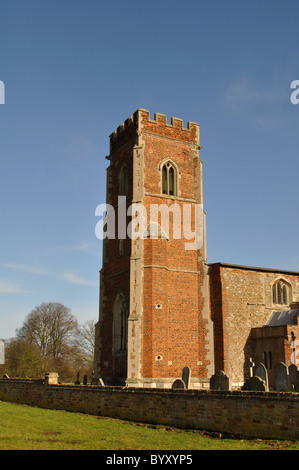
(219, 381)
(261, 372)
(293, 371)
(255, 384)
(250, 365)
(77, 382)
(281, 377)
(85, 380)
(179, 384)
(97, 382)
(2, 353)
(51, 378)
(186, 376)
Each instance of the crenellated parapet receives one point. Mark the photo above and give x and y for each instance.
(123, 127)
(174, 130)
(126, 131)
(140, 122)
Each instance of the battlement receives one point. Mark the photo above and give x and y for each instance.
(140, 122)
(161, 119)
(124, 126)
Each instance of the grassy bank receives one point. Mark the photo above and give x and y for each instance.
(29, 428)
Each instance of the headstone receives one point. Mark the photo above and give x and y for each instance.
(219, 381)
(85, 380)
(255, 384)
(179, 384)
(261, 372)
(281, 377)
(186, 376)
(250, 365)
(98, 382)
(293, 371)
(2, 352)
(51, 378)
(77, 382)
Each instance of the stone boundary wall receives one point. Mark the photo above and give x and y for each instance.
(271, 415)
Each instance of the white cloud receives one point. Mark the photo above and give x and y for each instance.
(26, 268)
(245, 91)
(74, 279)
(242, 92)
(81, 247)
(11, 288)
(69, 277)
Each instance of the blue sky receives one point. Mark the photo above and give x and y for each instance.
(74, 70)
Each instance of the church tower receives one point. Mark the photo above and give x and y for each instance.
(154, 314)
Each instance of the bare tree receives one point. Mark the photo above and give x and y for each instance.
(87, 338)
(52, 327)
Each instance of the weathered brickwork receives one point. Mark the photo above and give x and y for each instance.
(241, 299)
(166, 286)
(253, 414)
(115, 272)
(180, 310)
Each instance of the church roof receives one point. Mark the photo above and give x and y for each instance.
(285, 317)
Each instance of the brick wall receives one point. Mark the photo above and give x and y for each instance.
(178, 315)
(156, 272)
(252, 414)
(241, 299)
(115, 272)
(176, 334)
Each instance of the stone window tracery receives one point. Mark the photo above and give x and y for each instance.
(169, 179)
(280, 293)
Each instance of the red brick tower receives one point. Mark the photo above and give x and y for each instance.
(154, 301)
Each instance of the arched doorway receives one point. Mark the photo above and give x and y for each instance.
(120, 337)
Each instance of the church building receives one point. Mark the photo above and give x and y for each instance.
(162, 305)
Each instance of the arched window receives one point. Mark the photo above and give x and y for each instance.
(280, 293)
(279, 296)
(284, 295)
(120, 324)
(274, 294)
(169, 180)
(123, 181)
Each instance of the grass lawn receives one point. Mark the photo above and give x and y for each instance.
(30, 428)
